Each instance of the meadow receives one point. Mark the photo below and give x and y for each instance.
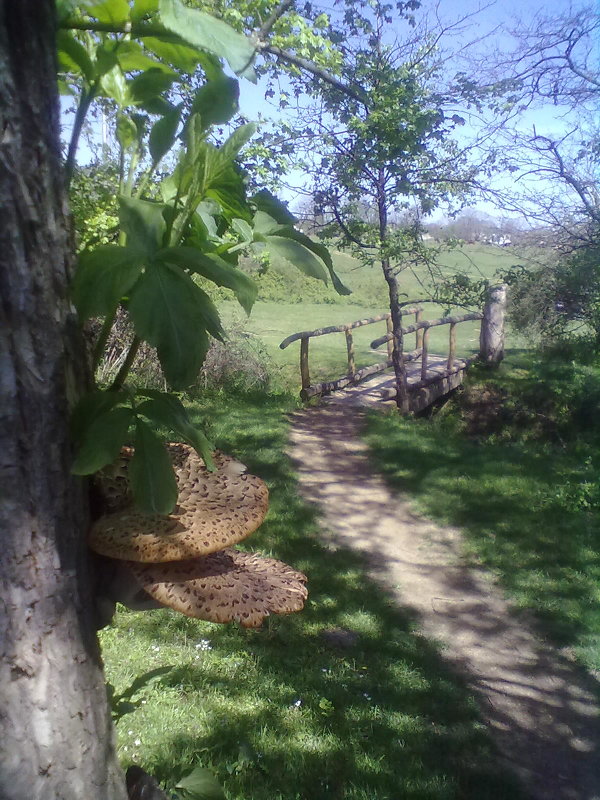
(287, 712)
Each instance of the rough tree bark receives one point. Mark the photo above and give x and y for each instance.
(56, 739)
(395, 310)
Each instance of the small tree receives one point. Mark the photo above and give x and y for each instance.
(384, 148)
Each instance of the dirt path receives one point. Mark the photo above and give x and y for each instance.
(540, 707)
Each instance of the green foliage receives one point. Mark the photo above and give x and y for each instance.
(122, 703)
(196, 222)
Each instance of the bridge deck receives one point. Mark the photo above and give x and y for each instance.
(380, 391)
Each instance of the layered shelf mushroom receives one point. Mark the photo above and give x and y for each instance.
(184, 560)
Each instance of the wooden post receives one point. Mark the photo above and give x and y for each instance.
(350, 349)
(425, 353)
(419, 335)
(451, 345)
(390, 342)
(304, 373)
(491, 338)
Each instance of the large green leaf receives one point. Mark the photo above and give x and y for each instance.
(215, 269)
(112, 11)
(92, 405)
(143, 222)
(104, 275)
(264, 225)
(163, 134)
(131, 57)
(271, 205)
(73, 56)
(217, 101)
(208, 33)
(172, 314)
(297, 255)
(168, 411)
(151, 473)
(230, 149)
(229, 191)
(127, 131)
(179, 56)
(201, 785)
(114, 86)
(322, 252)
(143, 8)
(150, 84)
(102, 440)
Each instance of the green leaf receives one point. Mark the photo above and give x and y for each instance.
(92, 405)
(241, 227)
(102, 440)
(216, 270)
(201, 785)
(143, 8)
(264, 225)
(322, 252)
(114, 86)
(229, 191)
(127, 131)
(271, 205)
(167, 410)
(150, 84)
(207, 210)
(179, 56)
(109, 11)
(208, 33)
(217, 101)
(297, 255)
(143, 222)
(73, 56)
(105, 275)
(172, 314)
(151, 473)
(232, 146)
(163, 134)
(131, 57)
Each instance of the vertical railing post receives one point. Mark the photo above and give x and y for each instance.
(304, 373)
(451, 346)
(425, 353)
(419, 336)
(491, 338)
(390, 342)
(350, 349)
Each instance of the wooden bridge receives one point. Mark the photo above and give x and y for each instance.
(427, 375)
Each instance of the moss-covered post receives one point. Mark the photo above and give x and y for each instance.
(491, 338)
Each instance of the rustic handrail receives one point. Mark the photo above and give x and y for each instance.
(341, 328)
(426, 324)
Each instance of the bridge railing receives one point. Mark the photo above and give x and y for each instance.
(352, 375)
(491, 345)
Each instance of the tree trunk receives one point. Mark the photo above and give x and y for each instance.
(392, 282)
(57, 739)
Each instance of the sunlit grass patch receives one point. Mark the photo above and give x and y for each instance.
(525, 491)
(283, 712)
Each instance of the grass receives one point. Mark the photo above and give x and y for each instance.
(296, 303)
(522, 485)
(279, 714)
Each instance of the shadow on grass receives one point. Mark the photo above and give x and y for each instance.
(288, 712)
(521, 504)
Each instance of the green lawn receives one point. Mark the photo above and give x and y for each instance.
(520, 478)
(278, 713)
(288, 312)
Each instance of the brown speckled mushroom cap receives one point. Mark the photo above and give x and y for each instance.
(214, 510)
(225, 587)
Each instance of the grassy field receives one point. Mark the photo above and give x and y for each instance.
(296, 303)
(278, 713)
(515, 464)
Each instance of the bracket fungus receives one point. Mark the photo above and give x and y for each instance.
(184, 560)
